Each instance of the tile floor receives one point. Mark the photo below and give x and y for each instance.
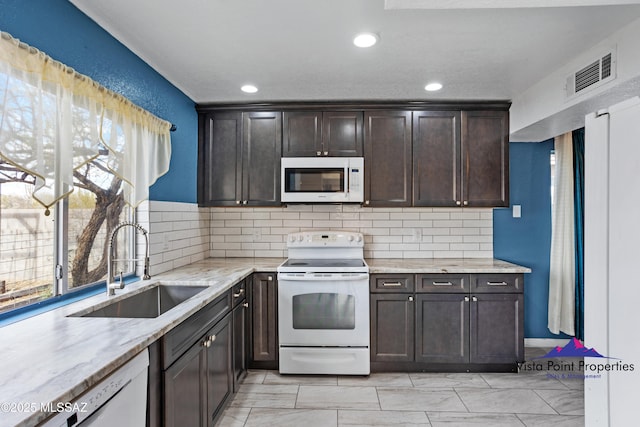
(267, 398)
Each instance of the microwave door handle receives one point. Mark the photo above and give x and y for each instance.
(347, 186)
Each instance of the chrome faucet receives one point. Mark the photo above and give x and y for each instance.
(111, 284)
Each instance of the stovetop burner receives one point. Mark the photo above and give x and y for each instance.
(337, 263)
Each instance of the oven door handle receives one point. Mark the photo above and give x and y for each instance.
(322, 277)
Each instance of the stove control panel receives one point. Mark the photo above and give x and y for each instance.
(306, 239)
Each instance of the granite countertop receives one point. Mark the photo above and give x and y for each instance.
(444, 265)
(51, 358)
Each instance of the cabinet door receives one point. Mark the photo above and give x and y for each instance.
(239, 343)
(392, 327)
(387, 156)
(262, 145)
(485, 158)
(219, 159)
(263, 325)
(302, 135)
(218, 372)
(436, 158)
(185, 402)
(342, 133)
(442, 328)
(497, 331)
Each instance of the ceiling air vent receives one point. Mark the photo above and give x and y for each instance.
(600, 71)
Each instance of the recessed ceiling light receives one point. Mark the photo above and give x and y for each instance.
(365, 39)
(432, 87)
(249, 89)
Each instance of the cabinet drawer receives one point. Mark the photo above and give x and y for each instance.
(396, 283)
(443, 283)
(178, 340)
(239, 293)
(497, 283)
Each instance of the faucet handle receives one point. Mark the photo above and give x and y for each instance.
(121, 281)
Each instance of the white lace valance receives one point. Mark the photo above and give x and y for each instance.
(54, 120)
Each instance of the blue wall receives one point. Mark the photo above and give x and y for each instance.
(59, 29)
(527, 240)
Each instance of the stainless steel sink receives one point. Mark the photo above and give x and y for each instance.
(149, 303)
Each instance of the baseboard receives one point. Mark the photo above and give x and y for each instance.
(545, 342)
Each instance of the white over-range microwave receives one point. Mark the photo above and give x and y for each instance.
(322, 179)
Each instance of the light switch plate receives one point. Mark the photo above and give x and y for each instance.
(517, 211)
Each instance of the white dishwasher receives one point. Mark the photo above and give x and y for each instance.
(118, 400)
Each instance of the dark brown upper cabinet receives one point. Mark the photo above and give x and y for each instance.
(387, 156)
(220, 159)
(485, 158)
(436, 158)
(460, 158)
(239, 159)
(322, 133)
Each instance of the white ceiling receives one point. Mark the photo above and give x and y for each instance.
(302, 49)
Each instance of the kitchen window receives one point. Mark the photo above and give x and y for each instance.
(45, 256)
(75, 160)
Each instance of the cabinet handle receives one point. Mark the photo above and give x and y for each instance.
(245, 304)
(474, 299)
(458, 203)
(410, 298)
(239, 294)
(212, 338)
(497, 284)
(366, 202)
(391, 284)
(270, 278)
(318, 153)
(442, 283)
(465, 203)
(206, 343)
(466, 299)
(326, 153)
(244, 202)
(237, 202)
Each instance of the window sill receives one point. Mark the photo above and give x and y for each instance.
(21, 313)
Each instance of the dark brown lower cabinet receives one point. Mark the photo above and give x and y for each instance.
(198, 383)
(183, 385)
(458, 331)
(392, 327)
(497, 328)
(442, 334)
(218, 372)
(263, 323)
(239, 343)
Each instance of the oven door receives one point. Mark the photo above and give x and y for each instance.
(323, 309)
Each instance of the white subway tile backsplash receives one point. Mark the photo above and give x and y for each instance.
(435, 215)
(182, 233)
(255, 215)
(469, 231)
(449, 239)
(388, 232)
(179, 233)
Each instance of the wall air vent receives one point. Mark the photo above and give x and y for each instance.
(597, 73)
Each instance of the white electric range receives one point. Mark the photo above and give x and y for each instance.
(323, 305)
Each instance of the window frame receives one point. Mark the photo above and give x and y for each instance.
(61, 272)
